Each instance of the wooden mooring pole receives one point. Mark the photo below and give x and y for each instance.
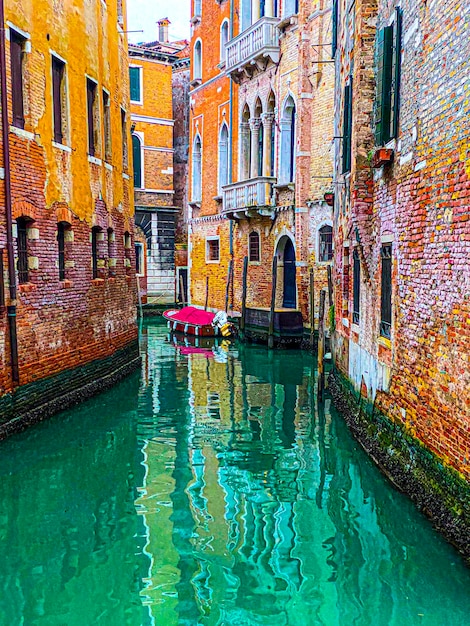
(207, 293)
(273, 304)
(183, 299)
(312, 309)
(244, 283)
(321, 346)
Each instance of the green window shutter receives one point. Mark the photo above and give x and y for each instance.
(396, 72)
(134, 80)
(347, 127)
(384, 85)
(137, 161)
(334, 17)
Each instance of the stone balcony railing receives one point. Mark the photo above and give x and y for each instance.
(253, 49)
(248, 196)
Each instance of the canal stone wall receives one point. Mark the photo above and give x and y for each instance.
(440, 492)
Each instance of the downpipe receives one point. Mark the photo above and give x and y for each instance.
(11, 308)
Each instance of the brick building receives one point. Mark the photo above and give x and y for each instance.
(159, 85)
(67, 280)
(402, 229)
(261, 151)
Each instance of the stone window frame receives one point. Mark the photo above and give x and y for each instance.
(196, 191)
(224, 38)
(140, 137)
(318, 246)
(139, 258)
(288, 141)
(209, 239)
(94, 151)
(107, 137)
(250, 260)
(220, 182)
(25, 36)
(197, 57)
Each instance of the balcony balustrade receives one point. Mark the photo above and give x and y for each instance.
(242, 198)
(253, 49)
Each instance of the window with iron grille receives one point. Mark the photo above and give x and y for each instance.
(17, 43)
(325, 243)
(58, 100)
(212, 250)
(254, 247)
(386, 294)
(61, 249)
(356, 285)
(22, 249)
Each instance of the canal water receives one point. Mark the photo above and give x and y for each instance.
(213, 489)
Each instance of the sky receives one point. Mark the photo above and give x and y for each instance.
(144, 14)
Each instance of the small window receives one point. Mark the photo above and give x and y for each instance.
(58, 99)
(139, 259)
(137, 161)
(223, 39)
(212, 250)
(135, 74)
(91, 116)
(107, 126)
(254, 247)
(287, 166)
(356, 286)
(124, 139)
(347, 127)
(197, 170)
(386, 294)
(22, 249)
(325, 243)
(197, 60)
(61, 227)
(95, 234)
(223, 157)
(197, 7)
(17, 43)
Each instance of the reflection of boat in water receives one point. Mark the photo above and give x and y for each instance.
(211, 347)
(192, 321)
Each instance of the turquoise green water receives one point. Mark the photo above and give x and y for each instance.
(213, 490)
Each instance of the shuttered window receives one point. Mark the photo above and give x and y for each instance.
(347, 127)
(135, 87)
(388, 61)
(58, 68)
(334, 26)
(356, 286)
(137, 160)
(386, 294)
(16, 63)
(91, 96)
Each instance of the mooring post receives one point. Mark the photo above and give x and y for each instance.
(273, 303)
(321, 346)
(244, 283)
(312, 309)
(227, 286)
(330, 286)
(207, 293)
(183, 299)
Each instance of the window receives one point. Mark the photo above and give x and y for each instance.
(124, 139)
(196, 173)
(254, 247)
(245, 144)
(58, 99)
(127, 252)
(107, 126)
(347, 127)
(212, 250)
(137, 160)
(388, 81)
(346, 278)
(135, 74)
(386, 293)
(287, 169)
(356, 285)
(223, 157)
(91, 115)
(17, 43)
(197, 60)
(22, 249)
(139, 259)
(325, 243)
(61, 227)
(95, 234)
(197, 7)
(291, 7)
(260, 149)
(223, 39)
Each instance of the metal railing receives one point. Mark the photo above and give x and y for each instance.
(261, 39)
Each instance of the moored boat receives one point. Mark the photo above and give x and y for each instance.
(193, 321)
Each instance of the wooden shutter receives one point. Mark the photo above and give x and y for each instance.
(57, 76)
(16, 62)
(384, 85)
(91, 91)
(334, 27)
(396, 74)
(137, 160)
(347, 127)
(134, 79)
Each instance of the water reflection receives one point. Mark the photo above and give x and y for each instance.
(260, 509)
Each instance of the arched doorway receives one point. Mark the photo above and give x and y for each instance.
(290, 292)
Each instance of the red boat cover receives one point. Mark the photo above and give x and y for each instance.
(191, 315)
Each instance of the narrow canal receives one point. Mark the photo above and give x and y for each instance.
(212, 489)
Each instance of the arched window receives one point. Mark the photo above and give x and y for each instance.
(137, 159)
(325, 243)
(287, 169)
(196, 170)
(257, 158)
(223, 39)
(245, 144)
(197, 60)
(223, 157)
(254, 251)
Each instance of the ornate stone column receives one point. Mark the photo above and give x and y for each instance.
(268, 120)
(255, 123)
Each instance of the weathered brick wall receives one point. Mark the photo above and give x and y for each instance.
(180, 95)
(421, 378)
(68, 323)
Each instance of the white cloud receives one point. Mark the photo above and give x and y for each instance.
(144, 14)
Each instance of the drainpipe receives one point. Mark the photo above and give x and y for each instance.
(11, 308)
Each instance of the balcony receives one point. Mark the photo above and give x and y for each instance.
(248, 197)
(252, 50)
